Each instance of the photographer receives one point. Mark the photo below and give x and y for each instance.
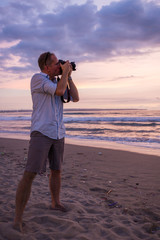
(47, 130)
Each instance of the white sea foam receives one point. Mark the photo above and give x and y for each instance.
(128, 127)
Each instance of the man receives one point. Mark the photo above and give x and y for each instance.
(47, 130)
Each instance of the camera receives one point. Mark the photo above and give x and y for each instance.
(72, 64)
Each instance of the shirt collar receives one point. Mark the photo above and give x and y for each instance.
(44, 74)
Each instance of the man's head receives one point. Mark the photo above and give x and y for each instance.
(49, 64)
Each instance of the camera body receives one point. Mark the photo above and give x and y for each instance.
(72, 64)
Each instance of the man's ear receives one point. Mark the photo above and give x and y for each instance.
(46, 69)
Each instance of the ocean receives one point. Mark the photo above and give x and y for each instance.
(134, 127)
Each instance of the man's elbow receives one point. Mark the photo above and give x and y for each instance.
(76, 99)
(60, 92)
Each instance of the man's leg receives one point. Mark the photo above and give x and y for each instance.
(55, 187)
(22, 196)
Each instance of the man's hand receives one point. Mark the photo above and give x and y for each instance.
(62, 84)
(66, 68)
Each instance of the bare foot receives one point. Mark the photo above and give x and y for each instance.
(59, 207)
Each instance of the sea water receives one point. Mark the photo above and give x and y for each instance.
(134, 127)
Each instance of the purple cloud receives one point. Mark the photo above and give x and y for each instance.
(78, 32)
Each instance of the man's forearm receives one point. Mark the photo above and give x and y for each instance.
(62, 84)
(73, 90)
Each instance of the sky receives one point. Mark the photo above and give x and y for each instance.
(115, 44)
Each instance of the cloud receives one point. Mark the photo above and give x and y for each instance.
(77, 32)
(131, 77)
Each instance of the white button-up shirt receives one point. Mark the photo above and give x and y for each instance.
(47, 115)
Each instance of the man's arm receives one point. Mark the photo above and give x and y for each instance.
(62, 84)
(73, 90)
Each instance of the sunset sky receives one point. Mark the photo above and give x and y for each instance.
(115, 44)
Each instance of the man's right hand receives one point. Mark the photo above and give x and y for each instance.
(66, 68)
(62, 84)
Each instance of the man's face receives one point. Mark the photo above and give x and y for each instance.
(54, 69)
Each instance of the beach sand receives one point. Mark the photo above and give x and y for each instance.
(110, 194)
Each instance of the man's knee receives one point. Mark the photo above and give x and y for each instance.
(29, 176)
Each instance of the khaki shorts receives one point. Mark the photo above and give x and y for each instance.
(42, 148)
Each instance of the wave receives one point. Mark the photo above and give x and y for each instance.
(93, 137)
(14, 132)
(116, 120)
(16, 118)
(15, 111)
(118, 139)
(112, 119)
(108, 130)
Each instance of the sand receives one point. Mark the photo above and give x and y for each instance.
(110, 194)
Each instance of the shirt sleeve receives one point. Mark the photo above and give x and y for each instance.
(41, 84)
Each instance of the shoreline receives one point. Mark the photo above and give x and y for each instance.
(99, 144)
(113, 146)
